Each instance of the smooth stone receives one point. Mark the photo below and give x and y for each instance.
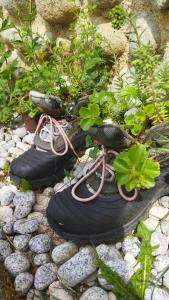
(41, 243)
(23, 146)
(17, 263)
(111, 296)
(8, 228)
(25, 226)
(24, 197)
(159, 239)
(16, 139)
(2, 234)
(23, 282)
(2, 163)
(165, 227)
(166, 279)
(20, 132)
(7, 137)
(158, 212)
(21, 241)
(94, 293)
(161, 262)
(22, 211)
(56, 291)
(130, 245)
(160, 4)
(5, 249)
(130, 259)
(35, 295)
(41, 259)
(6, 196)
(45, 275)
(159, 294)
(107, 253)
(79, 267)
(43, 224)
(41, 204)
(29, 139)
(151, 223)
(123, 268)
(9, 145)
(164, 201)
(6, 214)
(148, 30)
(64, 252)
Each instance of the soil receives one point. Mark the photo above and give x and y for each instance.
(7, 291)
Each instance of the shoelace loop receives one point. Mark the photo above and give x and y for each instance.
(101, 161)
(55, 128)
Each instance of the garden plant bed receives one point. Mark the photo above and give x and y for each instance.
(84, 149)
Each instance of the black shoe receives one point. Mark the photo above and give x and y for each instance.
(45, 165)
(111, 136)
(51, 105)
(106, 219)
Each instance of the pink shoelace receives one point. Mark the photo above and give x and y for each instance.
(55, 128)
(101, 160)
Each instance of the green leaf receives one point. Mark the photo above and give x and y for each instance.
(143, 232)
(135, 170)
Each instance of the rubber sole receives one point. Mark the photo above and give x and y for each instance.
(114, 235)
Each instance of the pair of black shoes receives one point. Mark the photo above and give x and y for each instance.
(92, 210)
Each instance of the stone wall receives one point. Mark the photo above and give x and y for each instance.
(54, 16)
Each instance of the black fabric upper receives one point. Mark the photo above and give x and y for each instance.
(100, 215)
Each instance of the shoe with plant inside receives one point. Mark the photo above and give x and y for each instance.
(57, 144)
(108, 202)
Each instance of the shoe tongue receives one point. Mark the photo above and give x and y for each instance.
(109, 187)
(43, 139)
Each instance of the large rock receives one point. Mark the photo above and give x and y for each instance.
(114, 41)
(160, 4)
(79, 267)
(148, 30)
(58, 11)
(106, 3)
(17, 263)
(13, 5)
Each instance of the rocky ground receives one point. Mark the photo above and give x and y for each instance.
(44, 267)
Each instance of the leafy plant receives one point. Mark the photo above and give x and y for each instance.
(142, 277)
(6, 168)
(134, 168)
(90, 116)
(25, 185)
(86, 64)
(122, 290)
(118, 15)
